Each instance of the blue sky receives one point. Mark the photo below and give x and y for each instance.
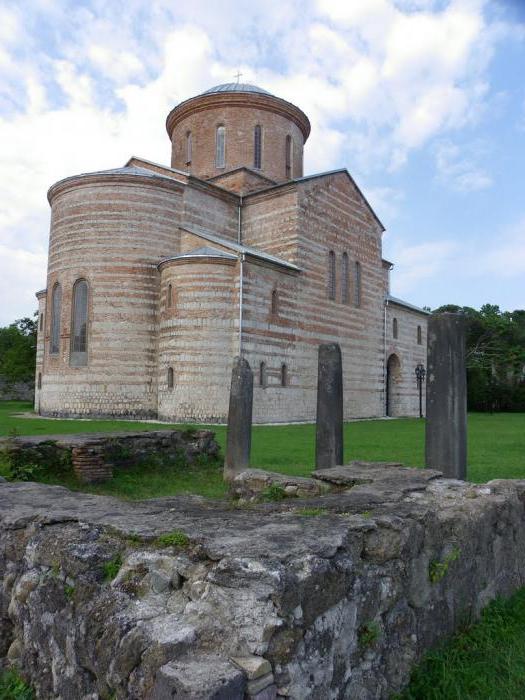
(422, 100)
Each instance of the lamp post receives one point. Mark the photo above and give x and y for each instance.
(420, 378)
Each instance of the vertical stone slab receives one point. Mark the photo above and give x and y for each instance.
(446, 424)
(239, 435)
(329, 424)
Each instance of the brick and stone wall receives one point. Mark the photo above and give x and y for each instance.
(239, 113)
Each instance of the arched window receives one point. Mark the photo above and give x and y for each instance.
(262, 374)
(419, 336)
(56, 309)
(357, 300)
(188, 147)
(220, 147)
(284, 375)
(395, 330)
(170, 377)
(257, 147)
(331, 275)
(345, 282)
(288, 156)
(39, 381)
(275, 302)
(41, 321)
(169, 296)
(79, 319)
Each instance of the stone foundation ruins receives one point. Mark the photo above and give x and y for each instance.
(337, 596)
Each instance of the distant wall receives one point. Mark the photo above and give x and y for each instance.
(16, 391)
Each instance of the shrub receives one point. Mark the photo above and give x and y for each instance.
(173, 539)
(112, 567)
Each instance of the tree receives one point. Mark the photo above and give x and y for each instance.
(18, 350)
(495, 357)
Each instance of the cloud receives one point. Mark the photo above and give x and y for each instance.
(421, 262)
(84, 86)
(505, 258)
(457, 167)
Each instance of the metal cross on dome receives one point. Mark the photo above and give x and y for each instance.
(237, 75)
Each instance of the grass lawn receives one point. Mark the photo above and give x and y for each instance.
(496, 450)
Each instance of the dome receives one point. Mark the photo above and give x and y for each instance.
(235, 87)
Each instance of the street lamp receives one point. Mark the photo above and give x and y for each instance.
(420, 378)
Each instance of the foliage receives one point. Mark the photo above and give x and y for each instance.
(484, 661)
(495, 357)
(69, 591)
(12, 687)
(437, 570)
(368, 634)
(32, 463)
(18, 350)
(112, 567)
(274, 492)
(173, 539)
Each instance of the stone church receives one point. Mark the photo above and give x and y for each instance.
(158, 276)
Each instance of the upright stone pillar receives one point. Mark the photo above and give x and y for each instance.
(239, 435)
(329, 425)
(446, 424)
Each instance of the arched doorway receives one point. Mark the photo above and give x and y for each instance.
(393, 376)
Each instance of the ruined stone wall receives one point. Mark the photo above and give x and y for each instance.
(257, 602)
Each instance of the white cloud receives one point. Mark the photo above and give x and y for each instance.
(422, 262)
(457, 167)
(505, 258)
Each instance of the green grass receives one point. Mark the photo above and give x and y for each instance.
(496, 450)
(483, 662)
(12, 687)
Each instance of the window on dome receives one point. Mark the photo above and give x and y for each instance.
(220, 147)
(169, 296)
(170, 377)
(79, 319)
(257, 147)
(56, 308)
(289, 156)
(188, 148)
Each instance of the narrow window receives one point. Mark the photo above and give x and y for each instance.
(188, 147)
(284, 375)
(39, 382)
(357, 300)
(419, 336)
(395, 329)
(288, 157)
(331, 275)
(56, 308)
(345, 290)
(79, 318)
(220, 147)
(41, 321)
(257, 144)
(170, 377)
(169, 296)
(262, 374)
(275, 302)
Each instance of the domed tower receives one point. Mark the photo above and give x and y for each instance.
(238, 125)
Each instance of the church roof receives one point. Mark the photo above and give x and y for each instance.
(399, 302)
(235, 87)
(202, 252)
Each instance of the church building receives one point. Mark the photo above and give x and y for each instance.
(158, 276)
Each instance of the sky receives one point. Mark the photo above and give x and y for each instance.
(422, 100)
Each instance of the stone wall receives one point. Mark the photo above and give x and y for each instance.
(16, 391)
(333, 597)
